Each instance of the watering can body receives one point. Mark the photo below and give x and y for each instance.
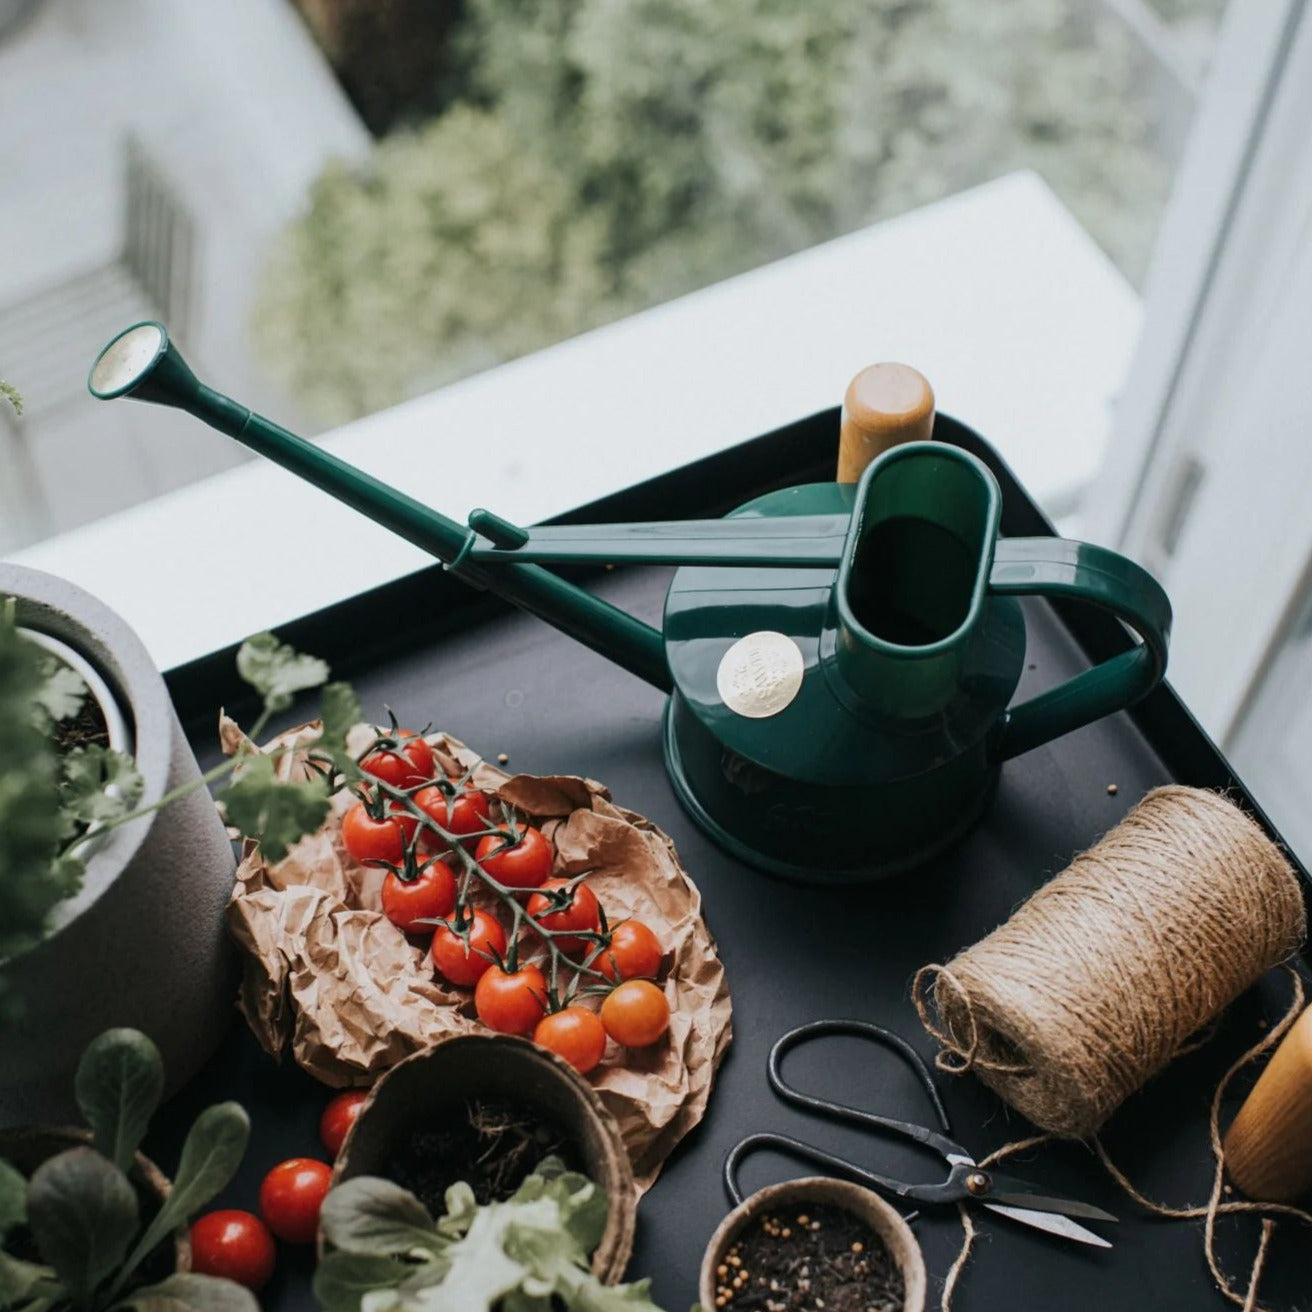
(841, 659)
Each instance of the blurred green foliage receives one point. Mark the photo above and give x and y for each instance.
(604, 155)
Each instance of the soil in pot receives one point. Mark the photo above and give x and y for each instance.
(817, 1257)
(493, 1147)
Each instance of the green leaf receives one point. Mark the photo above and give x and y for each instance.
(340, 711)
(189, 1291)
(210, 1157)
(21, 1281)
(274, 812)
(62, 691)
(12, 395)
(376, 1217)
(276, 671)
(83, 1214)
(13, 1199)
(99, 784)
(120, 1081)
(341, 1280)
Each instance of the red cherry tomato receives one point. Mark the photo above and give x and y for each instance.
(411, 763)
(464, 813)
(635, 1013)
(463, 965)
(511, 1002)
(522, 864)
(339, 1116)
(431, 895)
(291, 1196)
(634, 952)
(575, 1034)
(235, 1245)
(377, 842)
(582, 913)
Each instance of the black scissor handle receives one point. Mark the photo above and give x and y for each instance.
(805, 1152)
(940, 1143)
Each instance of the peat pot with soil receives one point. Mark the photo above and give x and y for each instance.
(813, 1243)
(88, 736)
(488, 1111)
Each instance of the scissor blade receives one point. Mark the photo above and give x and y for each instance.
(1020, 1193)
(1053, 1222)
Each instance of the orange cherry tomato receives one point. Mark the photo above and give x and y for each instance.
(463, 965)
(635, 1013)
(377, 842)
(525, 863)
(575, 1034)
(411, 762)
(634, 952)
(339, 1116)
(465, 812)
(511, 1002)
(291, 1196)
(431, 895)
(235, 1245)
(582, 912)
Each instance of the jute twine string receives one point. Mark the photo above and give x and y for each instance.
(1111, 970)
(1106, 973)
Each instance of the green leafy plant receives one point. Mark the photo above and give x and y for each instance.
(11, 394)
(54, 804)
(530, 1253)
(81, 1209)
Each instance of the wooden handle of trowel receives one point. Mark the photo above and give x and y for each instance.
(885, 405)
(1268, 1150)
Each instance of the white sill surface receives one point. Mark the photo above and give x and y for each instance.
(1022, 325)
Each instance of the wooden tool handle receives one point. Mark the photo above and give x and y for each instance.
(1268, 1150)
(885, 405)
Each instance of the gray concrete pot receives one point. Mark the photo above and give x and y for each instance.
(143, 942)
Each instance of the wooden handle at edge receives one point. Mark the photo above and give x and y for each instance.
(885, 405)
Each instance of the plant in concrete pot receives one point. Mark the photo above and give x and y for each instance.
(530, 1252)
(94, 1227)
(115, 866)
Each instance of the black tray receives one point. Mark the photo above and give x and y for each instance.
(438, 652)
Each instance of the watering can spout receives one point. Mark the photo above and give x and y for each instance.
(142, 363)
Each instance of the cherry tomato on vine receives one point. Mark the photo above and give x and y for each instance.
(410, 763)
(291, 1196)
(235, 1245)
(511, 1002)
(575, 1034)
(582, 913)
(634, 952)
(430, 895)
(635, 1013)
(467, 813)
(377, 842)
(522, 864)
(339, 1116)
(463, 965)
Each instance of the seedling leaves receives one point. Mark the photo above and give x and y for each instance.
(120, 1080)
(276, 671)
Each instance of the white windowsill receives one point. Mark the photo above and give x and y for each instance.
(1020, 322)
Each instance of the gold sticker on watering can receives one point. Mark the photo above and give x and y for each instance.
(760, 674)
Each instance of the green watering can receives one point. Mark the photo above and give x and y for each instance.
(839, 657)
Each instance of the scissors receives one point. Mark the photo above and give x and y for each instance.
(967, 1181)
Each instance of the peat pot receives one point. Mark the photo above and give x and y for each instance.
(793, 1195)
(428, 1088)
(143, 941)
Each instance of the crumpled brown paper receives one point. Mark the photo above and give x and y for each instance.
(328, 973)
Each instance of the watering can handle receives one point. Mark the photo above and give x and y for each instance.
(1078, 571)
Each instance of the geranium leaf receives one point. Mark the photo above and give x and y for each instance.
(61, 693)
(339, 712)
(276, 671)
(120, 1080)
(99, 784)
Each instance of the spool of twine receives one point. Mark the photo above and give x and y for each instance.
(1103, 975)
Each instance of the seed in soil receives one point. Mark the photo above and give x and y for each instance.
(827, 1260)
(492, 1146)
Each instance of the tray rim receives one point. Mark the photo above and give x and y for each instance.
(799, 451)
